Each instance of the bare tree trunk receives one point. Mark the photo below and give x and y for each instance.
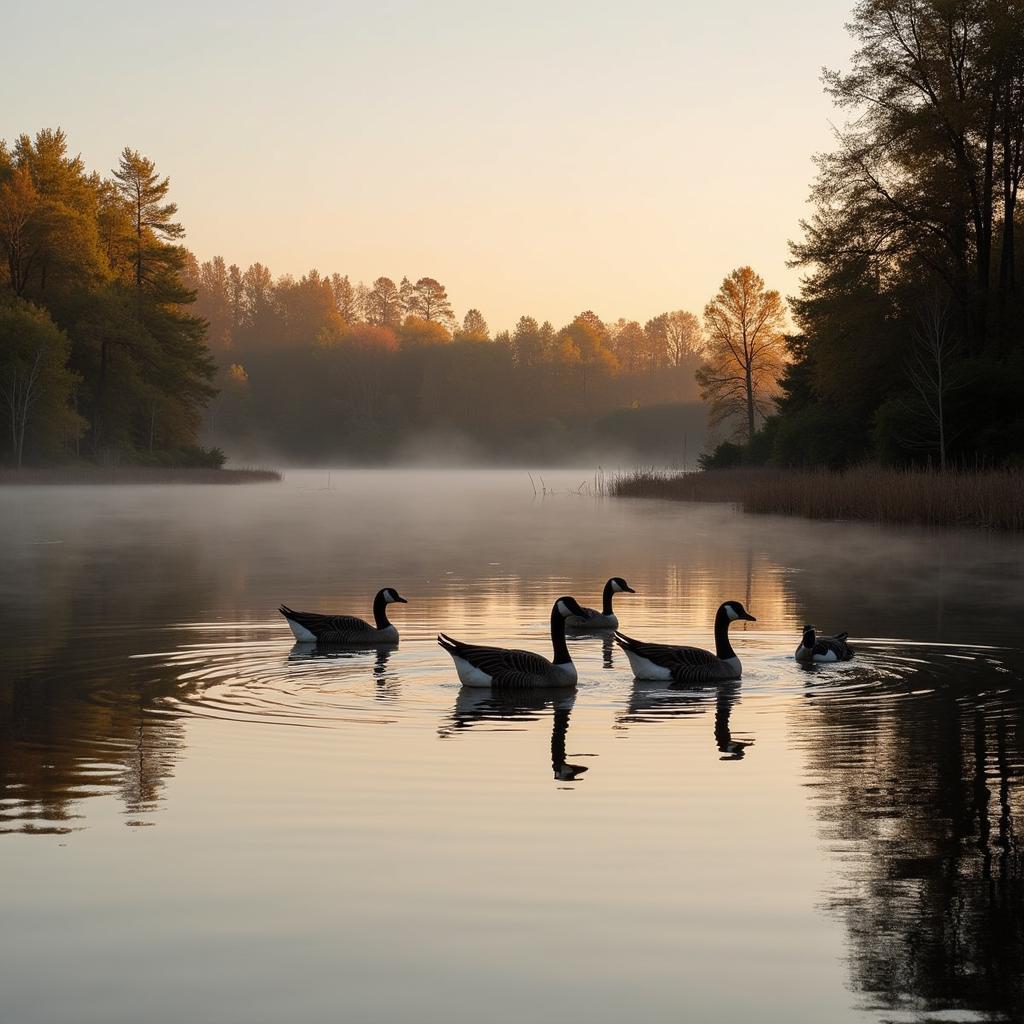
(750, 405)
(19, 393)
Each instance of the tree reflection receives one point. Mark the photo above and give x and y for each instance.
(64, 738)
(920, 796)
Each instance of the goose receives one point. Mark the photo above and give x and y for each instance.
(311, 627)
(689, 664)
(822, 649)
(502, 667)
(606, 618)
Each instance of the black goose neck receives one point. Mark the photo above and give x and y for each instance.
(558, 637)
(722, 646)
(380, 611)
(609, 593)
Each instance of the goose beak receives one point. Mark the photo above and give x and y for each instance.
(749, 618)
(400, 600)
(630, 590)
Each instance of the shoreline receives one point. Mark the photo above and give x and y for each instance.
(132, 476)
(987, 500)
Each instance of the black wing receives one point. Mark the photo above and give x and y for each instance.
(686, 664)
(836, 644)
(506, 667)
(331, 629)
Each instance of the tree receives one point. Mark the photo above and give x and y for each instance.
(527, 343)
(345, 298)
(430, 301)
(142, 190)
(746, 349)
(628, 342)
(406, 297)
(384, 304)
(582, 351)
(932, 374)
(35, 383)
(474, 327)
(683, 338)
(49, 225)
(419, 333)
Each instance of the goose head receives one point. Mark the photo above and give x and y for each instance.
(567, 606)
(734, 610)
(392, 596)
(809, 636)
(620, 586)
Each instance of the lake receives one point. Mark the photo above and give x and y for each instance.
(201, 820)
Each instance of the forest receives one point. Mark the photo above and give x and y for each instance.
(118, 347)
(101, 355)
(317, 367)
(910, 348)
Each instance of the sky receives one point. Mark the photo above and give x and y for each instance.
(539, 158)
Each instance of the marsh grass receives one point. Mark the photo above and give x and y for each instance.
(136, 475)
(992, 499)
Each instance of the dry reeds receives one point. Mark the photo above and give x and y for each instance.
(991, 499)
(135, 475)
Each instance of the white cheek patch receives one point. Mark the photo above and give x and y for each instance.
(731, 612)
(562, 610)
(616, 587)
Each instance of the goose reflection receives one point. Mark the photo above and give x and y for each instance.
(651, 702)
(475, 706)
(381, 652)
(585, 640)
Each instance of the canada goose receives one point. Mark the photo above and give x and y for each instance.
(311, 627)
(689, 664)
(500, 666)
(814, 648)
(606, 618)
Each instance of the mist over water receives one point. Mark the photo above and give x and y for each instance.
(200, 818)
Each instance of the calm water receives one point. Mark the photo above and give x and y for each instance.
(199, 821)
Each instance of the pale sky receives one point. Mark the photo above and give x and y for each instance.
(539, 158)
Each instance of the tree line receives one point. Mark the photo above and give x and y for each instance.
(101, 355)
(911, 341)
(319, 366)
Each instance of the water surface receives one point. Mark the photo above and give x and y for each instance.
(201, 820)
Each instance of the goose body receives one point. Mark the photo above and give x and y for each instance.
(314, 628)
(689, 665)
(507, 668)
(606, 618)
(822, 649)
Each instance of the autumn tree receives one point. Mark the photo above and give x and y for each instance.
(474, 327)
(49, 226)
(384, 304)
(583, 352)
(345, 298)
(417, 332)
(628, 342)
(430, 302)
(527, 343)
(745, 350)
(679, 333)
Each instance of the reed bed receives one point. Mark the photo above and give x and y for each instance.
(135, 475)
(989, 499)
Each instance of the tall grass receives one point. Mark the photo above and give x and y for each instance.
(136, 475)
(992, 499)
